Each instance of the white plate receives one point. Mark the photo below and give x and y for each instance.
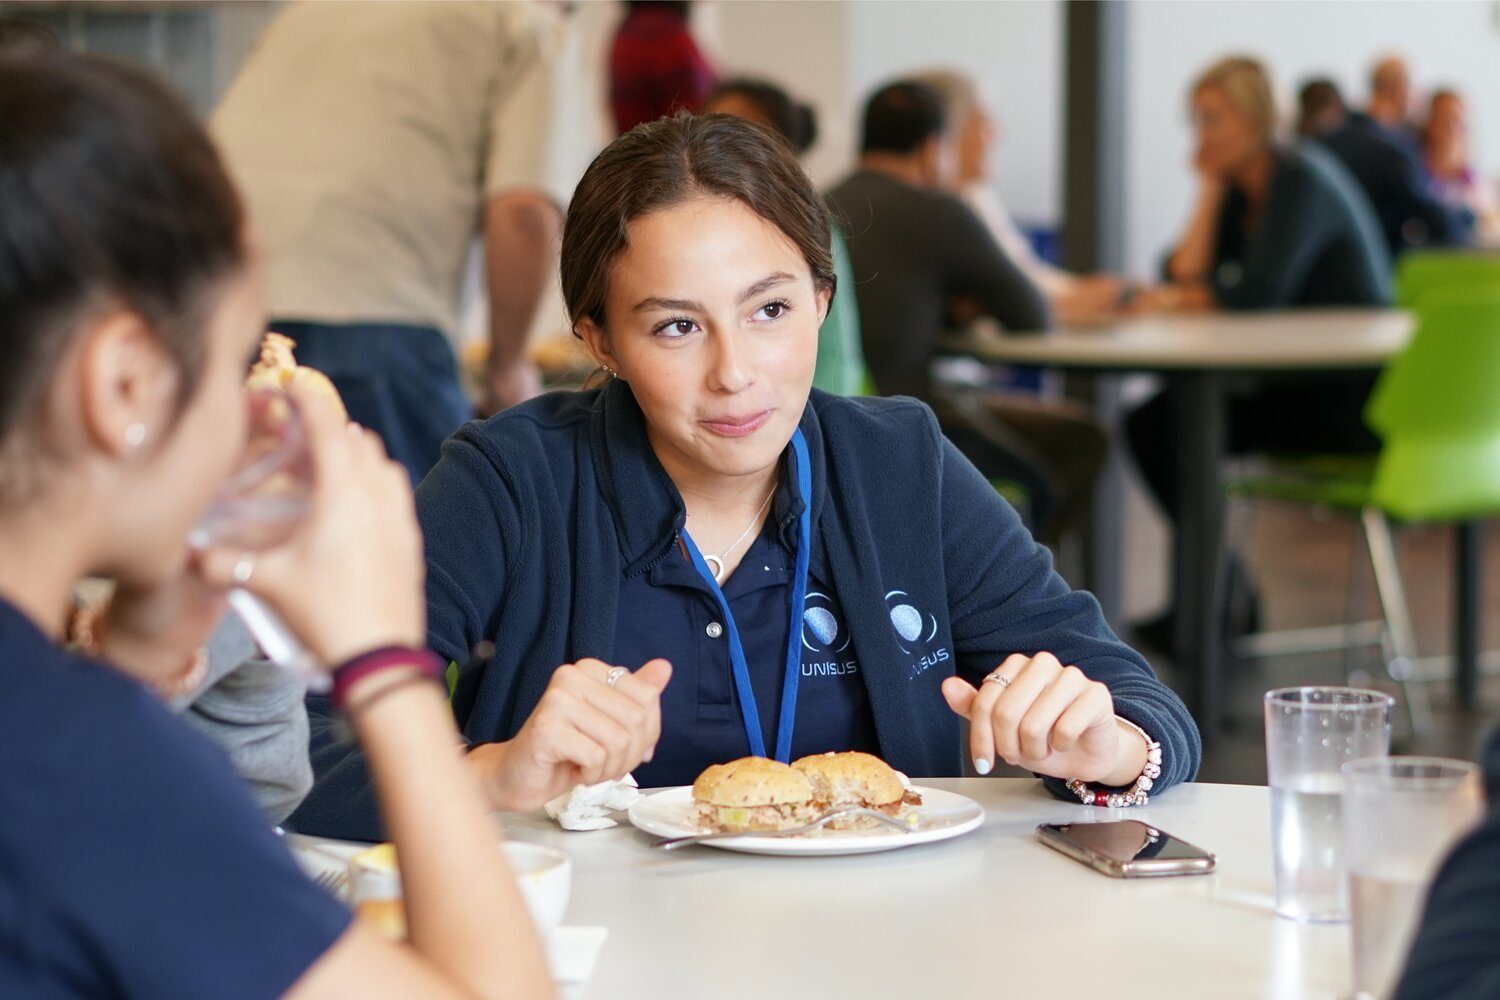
(945, 815)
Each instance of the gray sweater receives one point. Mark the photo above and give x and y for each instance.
(254, 710)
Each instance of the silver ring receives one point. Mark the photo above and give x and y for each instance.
(243, 570)
(998, 678)
(615, 673)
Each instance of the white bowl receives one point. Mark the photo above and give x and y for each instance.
(544, 875)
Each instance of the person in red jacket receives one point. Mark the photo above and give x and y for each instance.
(655, 66)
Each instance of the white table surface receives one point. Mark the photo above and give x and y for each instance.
(991, 914)
(1309, 339)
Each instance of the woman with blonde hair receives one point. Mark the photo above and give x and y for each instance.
(1274, 227)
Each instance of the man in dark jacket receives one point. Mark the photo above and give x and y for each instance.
(1390, 176)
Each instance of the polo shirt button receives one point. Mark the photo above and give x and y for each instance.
(714, 630)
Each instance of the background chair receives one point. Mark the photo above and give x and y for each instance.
(1436, 409)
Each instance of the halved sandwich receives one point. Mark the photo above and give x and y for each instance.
(841, 780)
(751, 793)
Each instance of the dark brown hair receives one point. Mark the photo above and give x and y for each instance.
(668, 161)
(110, 195)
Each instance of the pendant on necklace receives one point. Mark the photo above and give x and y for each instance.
(717, 565)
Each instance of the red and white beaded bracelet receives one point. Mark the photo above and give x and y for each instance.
(1136, 794)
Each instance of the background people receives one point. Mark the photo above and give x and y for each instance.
(368, 180)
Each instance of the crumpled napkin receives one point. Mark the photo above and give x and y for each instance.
(587, 807)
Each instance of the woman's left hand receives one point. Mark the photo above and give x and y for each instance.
(1049, 719)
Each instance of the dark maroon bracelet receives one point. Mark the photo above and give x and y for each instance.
(423, 661)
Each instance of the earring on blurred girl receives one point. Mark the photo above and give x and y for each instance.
(135, 435)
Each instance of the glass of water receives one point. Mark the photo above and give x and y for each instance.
(1311, 732)
(259, 507)
(1401, 815)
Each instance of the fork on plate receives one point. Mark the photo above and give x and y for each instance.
(332, 880)
(672, 843)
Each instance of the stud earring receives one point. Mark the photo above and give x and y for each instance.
(135, 435)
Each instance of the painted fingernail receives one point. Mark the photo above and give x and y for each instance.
(983, 765)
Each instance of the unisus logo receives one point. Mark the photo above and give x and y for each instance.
(826, 639)
(916, 632)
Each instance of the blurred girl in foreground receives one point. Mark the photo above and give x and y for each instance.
(132, 860)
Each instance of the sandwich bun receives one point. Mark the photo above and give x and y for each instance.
(278, 371)
(751, 793)
(842, 780)
(852, 778)
(751, 781)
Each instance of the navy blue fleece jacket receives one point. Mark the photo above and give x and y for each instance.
(533, 518)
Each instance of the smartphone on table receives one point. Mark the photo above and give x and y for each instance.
(1126, 848)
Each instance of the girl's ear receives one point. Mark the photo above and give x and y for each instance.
(125, 382)
(598, 344)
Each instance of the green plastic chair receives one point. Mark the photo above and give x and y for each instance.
(841, 360)
(1422, 272)
(1436, 409)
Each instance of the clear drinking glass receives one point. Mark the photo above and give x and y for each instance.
(1401, 815)
(259, 507)
(1310, 733)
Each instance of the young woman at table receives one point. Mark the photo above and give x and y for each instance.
(1274, 227)
(133, 862)
(823, 573)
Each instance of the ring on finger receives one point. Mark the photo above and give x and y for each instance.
(615, 673)
(996, 677)
(244, 569)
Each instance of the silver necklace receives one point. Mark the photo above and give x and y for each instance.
(717, 562)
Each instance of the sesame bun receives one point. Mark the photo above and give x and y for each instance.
(278, 370)
(752, 781)
(852, 778)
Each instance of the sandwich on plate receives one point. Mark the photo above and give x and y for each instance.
(842, 780)
(751, 794)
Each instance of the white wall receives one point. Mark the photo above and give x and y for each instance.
(1013, 50)
(833, 53)
(1448, 42)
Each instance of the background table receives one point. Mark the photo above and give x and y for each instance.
(1201, 354)
(993, 913)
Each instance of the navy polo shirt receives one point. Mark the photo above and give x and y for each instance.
(133, 860)
(670, 611)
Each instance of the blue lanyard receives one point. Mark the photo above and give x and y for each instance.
(746, 693)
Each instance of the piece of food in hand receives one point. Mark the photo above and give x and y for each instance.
(278, 370)
(750, 794)
(842, 780)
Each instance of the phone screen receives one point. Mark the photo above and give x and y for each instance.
(1129, 840)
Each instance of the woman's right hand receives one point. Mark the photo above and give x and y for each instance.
(583, 731)
(350, 579)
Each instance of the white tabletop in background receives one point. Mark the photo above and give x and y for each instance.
(991, 914)
(1309, 339)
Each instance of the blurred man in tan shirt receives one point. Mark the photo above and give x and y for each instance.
(373, 141)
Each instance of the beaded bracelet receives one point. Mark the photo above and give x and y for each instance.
(1136, 794)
